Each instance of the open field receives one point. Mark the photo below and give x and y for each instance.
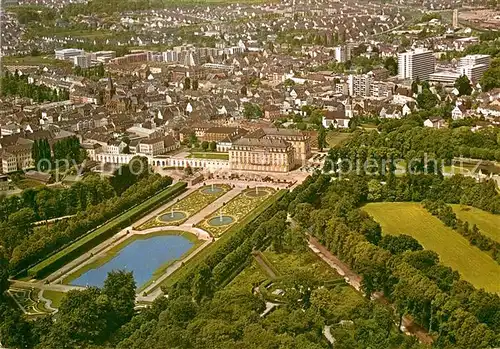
(102, 233)
(212, 248)
(189, 205)
(110, 254)
(488, 223)
(333, 137)
(237, 208)
(454, 251)
(215, 156)
(35, 60)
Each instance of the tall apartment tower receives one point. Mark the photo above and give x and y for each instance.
(473, 66)
(342, 53)
(455, 18)
(419, 63)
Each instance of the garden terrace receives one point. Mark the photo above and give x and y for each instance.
(236, 209)
(186, 207)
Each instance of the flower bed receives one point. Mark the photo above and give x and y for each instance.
(237, 208)
(189, 205)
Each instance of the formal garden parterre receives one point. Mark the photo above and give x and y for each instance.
(180, 211)
(236, 209)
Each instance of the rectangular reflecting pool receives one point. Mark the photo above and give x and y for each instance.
(142, 257)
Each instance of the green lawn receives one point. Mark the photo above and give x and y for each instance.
(455, 251)
(28, 183)
(333, 137)
(488, 223)
(54, 296)
(208, 155)
(35, 60)
(116, 249)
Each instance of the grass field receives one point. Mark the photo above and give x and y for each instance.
(454, 251)
(54, 296)
(214, 156)
(488, 223)
(116, 249)
(333, 137)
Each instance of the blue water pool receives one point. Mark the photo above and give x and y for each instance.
(142, 257)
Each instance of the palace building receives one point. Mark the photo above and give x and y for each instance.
(260, 154)
(301, 142)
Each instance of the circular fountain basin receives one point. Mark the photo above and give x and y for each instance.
(256, 193)
(209, 190)
(220, 221)
(172, 216)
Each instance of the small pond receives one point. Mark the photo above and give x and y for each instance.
(220, 221)
(172, 216)
(142, 257)
(211, 190)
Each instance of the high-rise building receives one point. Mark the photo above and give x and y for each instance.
(473, 66)
(455, 18)
(82, 61)
(342, 54)
(418, 63)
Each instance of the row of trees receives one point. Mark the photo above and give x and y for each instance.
(445, 213)
(407, 138)
(44, 240)
(16, 85)
(451, 309)
(65, 149)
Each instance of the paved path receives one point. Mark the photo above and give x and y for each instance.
(355, 281)
(48, 302)
(42, 286)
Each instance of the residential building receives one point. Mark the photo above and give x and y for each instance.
(152, 147)
(342, 54)
(418, 63)
(436, 122)
(473, 66)
(82, 61)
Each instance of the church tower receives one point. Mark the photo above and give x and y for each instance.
(110, 90)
